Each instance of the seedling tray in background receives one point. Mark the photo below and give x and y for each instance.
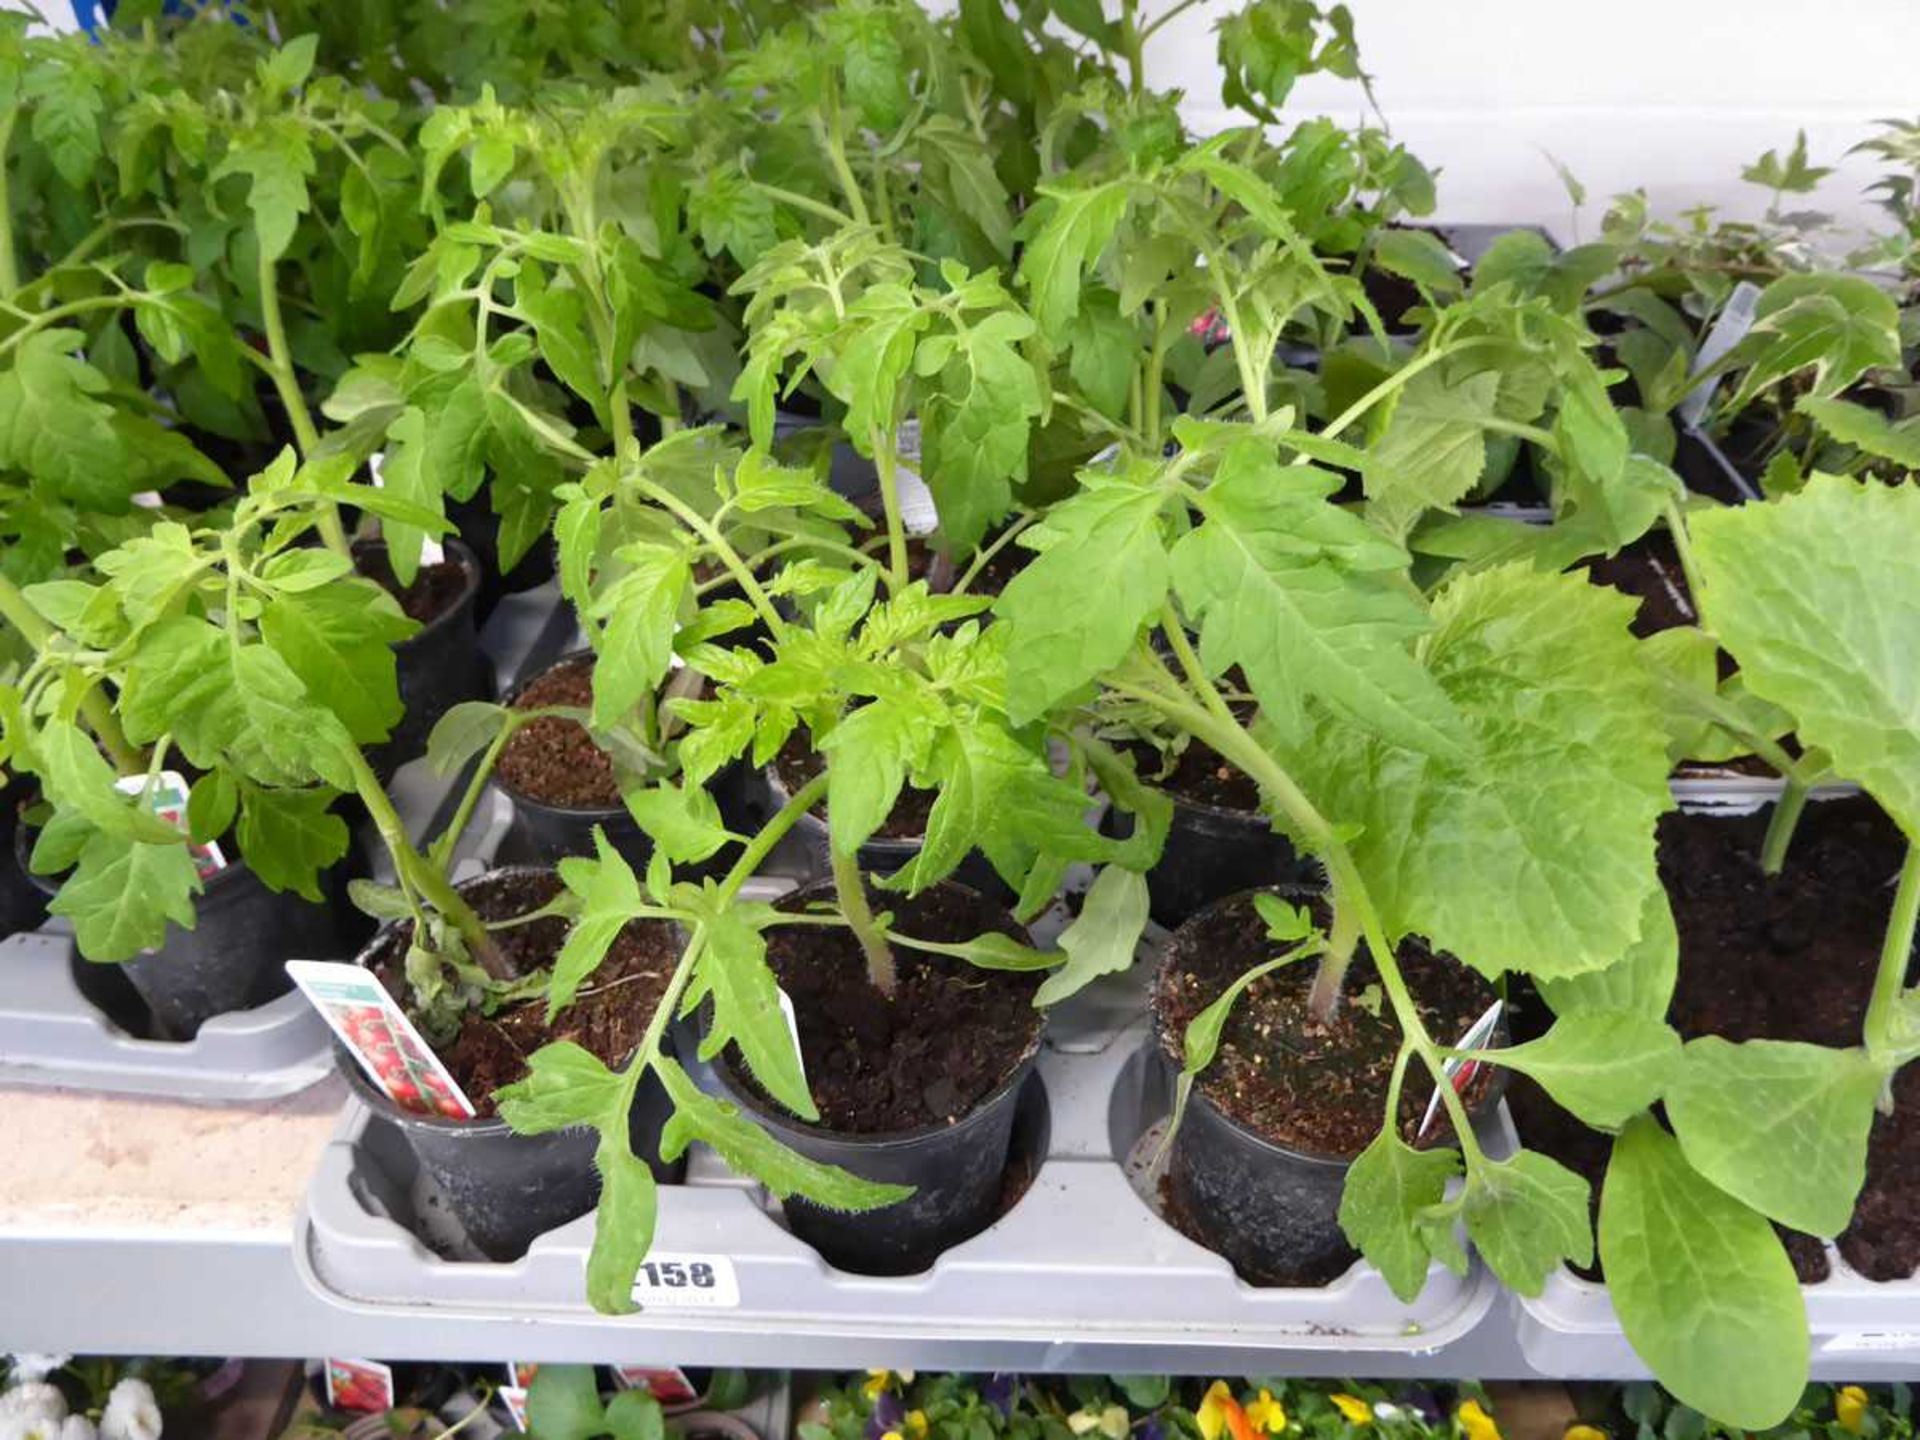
(67, 1022)
(1080, 1263)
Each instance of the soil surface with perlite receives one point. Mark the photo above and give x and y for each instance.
(553, 759)
(1313, 1086)
(608, 1017)
(1785, 957)
(951, 1035)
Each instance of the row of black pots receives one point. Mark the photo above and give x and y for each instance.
(506, 1189)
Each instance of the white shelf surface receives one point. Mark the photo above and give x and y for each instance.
(136, 1226)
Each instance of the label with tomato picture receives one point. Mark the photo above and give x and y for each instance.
(669, 1386)
(364, 1385)
(382, 1039)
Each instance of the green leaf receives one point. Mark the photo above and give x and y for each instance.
(404, 475)
(1554, 806)
(974, 429)
(489, 163)
(123, 892)
(1077, 227)
(746, 1006)
(1307, 600)
(635, 648)
(287, 837)
(623, 1223)
(1527, 1214)
(566, 1085)
(1103, 937)
(1816, 595)
(53, 428)
(212, 805)
(1837, 326)
(750, 1151)
(1864, 429)
(1794, 177)
(278, 160)
(962, 162)
(463, 732)
(288, 67)
(1419, 256)
(609, 895)
(77, 778)
(1702, 1285)
(1387, 1187)
(867, 758)
(636, 1415)
(1778, 1125)
(1078, 607)
(1640, 981)
(682, 820)
(1103, 354)
(563, 1403)
(68, 104)
(339, 641)
(1603, 1066)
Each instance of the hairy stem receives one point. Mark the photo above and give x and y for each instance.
(1896, 954)
(17, 611)
(286, 385)
(851, 887)
(1780, 828)
(440, 855)
(887, 460)
(723, 551)
(9, 264)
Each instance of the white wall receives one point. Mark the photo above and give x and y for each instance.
(1672, 95)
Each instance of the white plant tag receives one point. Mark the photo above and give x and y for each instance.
(168, 800)
(793, 1029)
(1728, 331)
(686, 1282)
(358, 1009)
(514, 1397)
(1459, 1070)
(431, 550)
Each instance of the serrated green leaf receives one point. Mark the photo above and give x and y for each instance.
(1078, 607)
(683, 821)
(868, 754)
(563, 1402)
(1817, 597)
(1308, 601)
(123, 892)
(609, 894)
(1387, 1187)
(212, 804)
(1778, 1125)
(1554, 807)
(974, 428)
(1076, 229)
(1702, 1285)
(339, 641)
(1419, 256)
(1434, 448)
(746, 1007)
(1526, 1215)
(53, 427)
(1864, 429)
(288, 837)
(748, 1150)
(78, 779)
(1103, 937)
(1640, 981)
(635, 647)
(1605, 1066)
(1835, 326)
(964, 166)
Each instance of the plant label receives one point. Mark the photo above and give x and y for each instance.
(363, 1385)
(670, 1386)
(1734, 322)
(382, 1039)
(686, 1282)
(918, 514)
(432, 552)
(793, 1028)
(167, 798)
(514, 1397)
(1459, 1070)
(521, 1372)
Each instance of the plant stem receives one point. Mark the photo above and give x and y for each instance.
(9, 264)
(417, 872)
(1683, 547)
(1786, 815)
(827, 131)
(801, 202)
(723, 551)
(1156, 364)
(440, 854)
(286, 385)
(984, 556)
(886, 460)
(18, 612)
(1896, 954)
(1133, 46)
(771, 833)
(851, 886)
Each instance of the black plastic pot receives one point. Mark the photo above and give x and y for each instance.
(235, 956)
(957, 1171)
(23, 904)
(1212, 853)
(1270, 1210)
(505, 1190)
(478, 527)
(440, 665)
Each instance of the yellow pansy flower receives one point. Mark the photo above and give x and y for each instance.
(1357, 1411)
(892, 1435)
(1477, 1424)
(1266, 1413)
(879, 1380)
(1850, 1408)
(1585, 1432)
(917, 1424)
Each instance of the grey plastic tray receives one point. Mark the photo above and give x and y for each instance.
(1081, 1258)
(56, 1010)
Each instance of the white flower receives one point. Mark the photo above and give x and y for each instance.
(1384, 1411)
(78, 1427)
(33, 1400)
(30, 1366)
(131, 1413)
(30, 1427)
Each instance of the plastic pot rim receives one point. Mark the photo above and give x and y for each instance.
(457, 551)
(519, 797)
